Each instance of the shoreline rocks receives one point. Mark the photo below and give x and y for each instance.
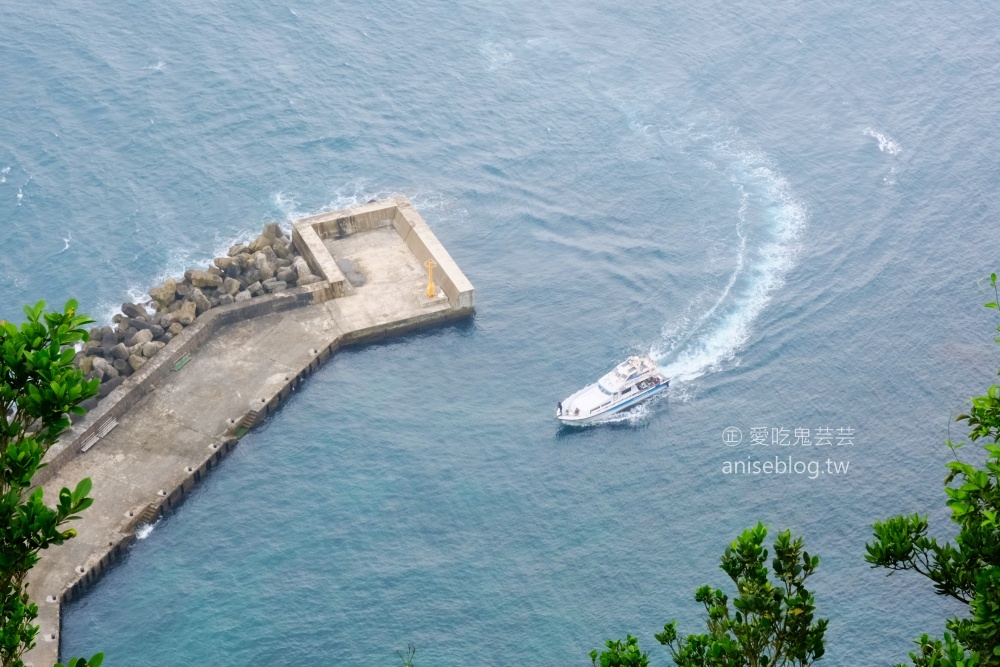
(268, 265)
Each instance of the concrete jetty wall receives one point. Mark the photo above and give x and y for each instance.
(166, 426)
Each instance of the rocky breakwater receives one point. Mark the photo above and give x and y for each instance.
(268, 265)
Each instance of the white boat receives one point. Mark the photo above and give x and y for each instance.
(630, 383)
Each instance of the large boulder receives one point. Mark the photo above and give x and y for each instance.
(275, 285)
(164, 295)
(188, 311)
(136, 362)
(282, 248)
(119, 352)
(225, 299)
(242, 296)
(103, 367)
(203, 279)
(287, 275)
(237, 249)
(265, 266)
(141, 337)
(230, 286)
(201, 301)
(175, 329)
(150, 349)
(260, 243)
(301, 267)
(87, 365)
(133, 310)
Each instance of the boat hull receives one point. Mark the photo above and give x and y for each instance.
(570, 420)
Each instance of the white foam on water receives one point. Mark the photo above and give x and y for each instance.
(886, 144)
(144, 530)
(772, 218)
(497, 57)
(158, 67)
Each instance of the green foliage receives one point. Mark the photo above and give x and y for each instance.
(770, 623)
(83, 662)
(621, 654)
(407, 656)
(39, 386)
(969, 570)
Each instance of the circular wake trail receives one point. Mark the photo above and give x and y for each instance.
(769, 221)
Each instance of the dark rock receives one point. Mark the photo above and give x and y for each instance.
(166, 338)
(121, 365)
(176, 306)
(89, 404)
(183, 291)
(175, 329)
(286, 275)
(117, 318)
(119, 352)
(256, 289)
(225, 299)
(133, 310)
(109, 386)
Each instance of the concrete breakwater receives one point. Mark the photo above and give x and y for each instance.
(268, 265)
(158, 431)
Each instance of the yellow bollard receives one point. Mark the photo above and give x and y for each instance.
(430, 264)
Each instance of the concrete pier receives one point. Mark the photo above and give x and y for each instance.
(149, 442)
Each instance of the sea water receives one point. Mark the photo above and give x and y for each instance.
(787, 204)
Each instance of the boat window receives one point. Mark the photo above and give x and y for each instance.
(626, 390)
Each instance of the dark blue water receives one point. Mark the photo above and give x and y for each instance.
(788, 204)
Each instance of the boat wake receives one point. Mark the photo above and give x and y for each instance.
(769, 220)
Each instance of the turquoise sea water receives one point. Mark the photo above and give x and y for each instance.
(787, 203)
